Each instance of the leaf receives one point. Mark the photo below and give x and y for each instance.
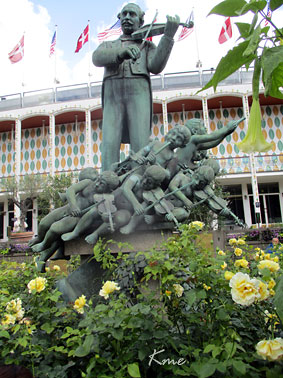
(89, 340)
(253, 43)
(229, 64)
(5, 334)
(275, 4)
(117, 334)
(81, 351)
(134, 370)
(253, 6)
(47, 327)
(243, 29)
(191, 297)
(228, 8)
(205, 370)
(278, 299)
(239, 366)
(272, 66)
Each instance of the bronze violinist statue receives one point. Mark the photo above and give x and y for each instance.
(126, 90)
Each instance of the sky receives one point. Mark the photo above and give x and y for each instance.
(37, 19)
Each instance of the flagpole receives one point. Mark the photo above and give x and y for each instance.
(199, 63)
(89, 89)
(23, 74)
(55, 56)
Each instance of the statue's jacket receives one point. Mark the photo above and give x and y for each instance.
(152, 59)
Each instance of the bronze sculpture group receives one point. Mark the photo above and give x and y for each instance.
(159, 181)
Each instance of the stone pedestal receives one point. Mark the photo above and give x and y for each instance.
(142, 240)
(88, 278)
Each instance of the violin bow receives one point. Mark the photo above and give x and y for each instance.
(149, 30)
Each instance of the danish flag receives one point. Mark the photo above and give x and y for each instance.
(83, 38)
(18, 52)
(226, 31)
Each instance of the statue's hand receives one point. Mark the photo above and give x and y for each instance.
(139, 210)
(130, 52)
(141, 160)
(169, 217)
(171, 26)
(151, 158)
(76, 212)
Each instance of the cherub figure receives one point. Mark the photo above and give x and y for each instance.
(76, 196)
(104, 211)
(144, 192)
(200, 141)
(66, 220)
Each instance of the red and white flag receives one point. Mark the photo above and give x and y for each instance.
(83, 38)
(18, 52)
(226, 31)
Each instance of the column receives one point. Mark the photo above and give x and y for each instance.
(252, 166)
(18, 135)
(165, 116)
(52, 144)
(88, 138)
(205, 114)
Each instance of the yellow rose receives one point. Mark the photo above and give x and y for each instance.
(228, 275)
(241, 241)
(224, 265)
(221, 253)
(271, 283)
(108, 288)
(262, 290)
(79, 304)
(271, 265)
(196, 225)
(232, 241)
(271, 350)
(8, 319)
(272, 292)
(238, 252)
(244, 290)
(257, 257)
(178, 289)
(38, 284)
(276, 259)
(241, 263)
(56, 268)
(47, 269)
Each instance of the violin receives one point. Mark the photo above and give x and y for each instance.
(106, 206)
(161, 205)
(216, 204)
(156, 29)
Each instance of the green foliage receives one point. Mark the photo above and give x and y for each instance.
(23, 191)
(49, 197)
(173, 301)
(257, 45)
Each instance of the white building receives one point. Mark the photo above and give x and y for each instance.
(54, 131)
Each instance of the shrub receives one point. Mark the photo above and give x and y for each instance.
(174, 311)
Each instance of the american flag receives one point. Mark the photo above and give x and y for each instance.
(53, 44)
(185, 32)
(114, 30)
(268, 13)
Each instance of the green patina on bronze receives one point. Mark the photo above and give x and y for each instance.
(126, 89)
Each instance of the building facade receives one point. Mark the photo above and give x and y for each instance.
(58, 130)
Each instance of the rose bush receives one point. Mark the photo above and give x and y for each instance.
(205, 314)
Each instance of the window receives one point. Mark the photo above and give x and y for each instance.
(233, 195)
